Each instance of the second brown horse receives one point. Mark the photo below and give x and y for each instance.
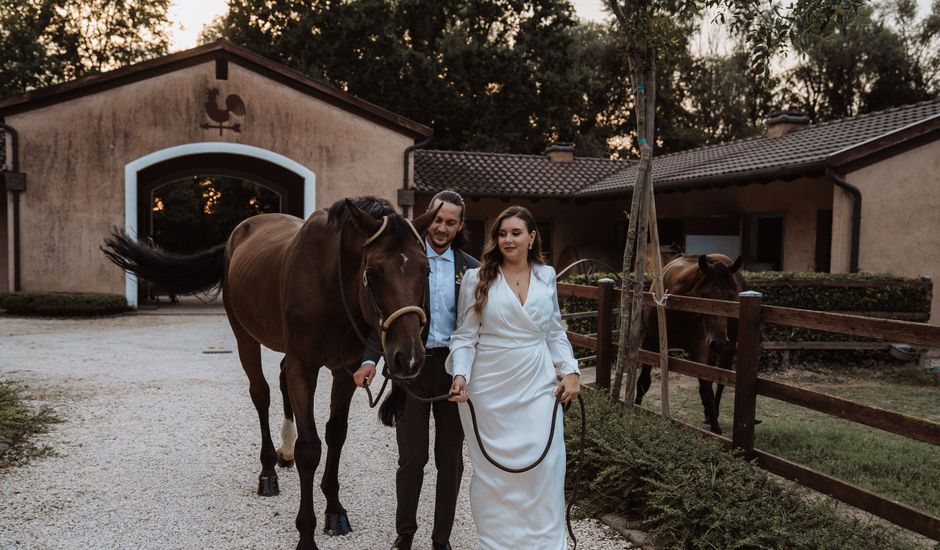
(706, 338)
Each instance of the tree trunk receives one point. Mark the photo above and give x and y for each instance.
(643, 69)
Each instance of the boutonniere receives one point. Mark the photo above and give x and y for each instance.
(459, 277)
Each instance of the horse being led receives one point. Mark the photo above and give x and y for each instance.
(284, 283)
(706, 338)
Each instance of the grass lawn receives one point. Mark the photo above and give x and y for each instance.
(889, 465)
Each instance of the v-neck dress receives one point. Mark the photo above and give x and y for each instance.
(511, 357)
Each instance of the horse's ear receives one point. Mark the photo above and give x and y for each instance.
(703, 264)
(423, 222)
(737, 264)
(361, 220)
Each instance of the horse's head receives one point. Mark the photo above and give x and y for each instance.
(720, 280)
(394, 275)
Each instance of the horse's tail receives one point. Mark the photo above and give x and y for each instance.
(391, 409)
(173, 273)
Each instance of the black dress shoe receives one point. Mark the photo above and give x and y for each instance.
(441, 545)
(403, 542)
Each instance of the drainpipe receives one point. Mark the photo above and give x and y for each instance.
(406, 197)
(15, 182)
(856, 215)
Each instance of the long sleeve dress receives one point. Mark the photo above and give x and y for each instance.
(511, 358)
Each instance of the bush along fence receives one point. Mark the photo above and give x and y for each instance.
(55, 304)
(870, 295)
(752, 316)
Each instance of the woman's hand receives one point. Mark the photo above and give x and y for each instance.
(363, 377)
(569, 387)
(459, 390)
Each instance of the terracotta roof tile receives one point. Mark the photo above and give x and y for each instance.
(493, 174)
(488, 174)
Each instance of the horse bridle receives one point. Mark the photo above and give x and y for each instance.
(382, 323)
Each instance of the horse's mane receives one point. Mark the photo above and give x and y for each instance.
(338, 215)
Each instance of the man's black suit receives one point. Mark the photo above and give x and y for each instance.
(413, 428)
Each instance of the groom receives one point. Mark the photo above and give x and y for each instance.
(410, 417)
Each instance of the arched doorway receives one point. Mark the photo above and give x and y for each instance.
(293, 184)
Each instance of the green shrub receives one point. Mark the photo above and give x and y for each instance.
(56, 304)
(895, 295)
(689, 492)
(18, 423)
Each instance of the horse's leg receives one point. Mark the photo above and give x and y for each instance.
(249, 352)
(336, 522)
(643, 383)
(301, 386)
(285, 454)
(705, 391)
(725, 361)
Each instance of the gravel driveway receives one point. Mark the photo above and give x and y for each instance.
(159, 448)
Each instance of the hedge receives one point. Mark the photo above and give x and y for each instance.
(688, 492)
(55, 304)
(892, 295)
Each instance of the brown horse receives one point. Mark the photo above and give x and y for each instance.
(302, 288)
(706, 338)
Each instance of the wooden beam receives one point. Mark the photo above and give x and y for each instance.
(826, 345)
(889, 421)
(895, 512)
(691, 368)
(882, 329)
(721, 308)
(578, 291)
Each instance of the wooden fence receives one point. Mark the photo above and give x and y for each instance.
(750, 314)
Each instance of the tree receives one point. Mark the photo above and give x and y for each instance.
(50, 41)
(494, 75)
(884, 58)
(646, 24)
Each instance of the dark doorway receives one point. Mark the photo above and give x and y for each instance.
(767, 239)
(823, 240)
(198, 212)
(476, 230)
(192, 203)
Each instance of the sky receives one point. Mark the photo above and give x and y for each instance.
(189, 16)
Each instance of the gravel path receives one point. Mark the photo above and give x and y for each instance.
(159, 448)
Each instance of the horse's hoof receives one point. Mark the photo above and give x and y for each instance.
(284, 463)
(336, 525)
(268, 487)
(716, 429)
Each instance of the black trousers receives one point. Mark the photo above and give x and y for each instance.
(412, 433)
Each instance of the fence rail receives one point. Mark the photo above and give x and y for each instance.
(751, 314)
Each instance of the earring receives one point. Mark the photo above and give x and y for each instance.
(530, 244)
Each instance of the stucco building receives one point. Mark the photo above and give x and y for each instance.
(856, 194)
(93, 150)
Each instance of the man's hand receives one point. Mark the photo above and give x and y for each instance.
(569, 387)
(459, 389)
(363, 377)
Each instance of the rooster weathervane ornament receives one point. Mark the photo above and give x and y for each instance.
(233, 106)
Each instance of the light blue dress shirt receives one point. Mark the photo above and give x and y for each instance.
(443, 299)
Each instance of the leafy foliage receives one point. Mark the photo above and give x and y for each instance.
(883, 58)
(690, 493)
(45, 42)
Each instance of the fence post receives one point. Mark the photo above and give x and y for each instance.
(605, 327)
(748, 356)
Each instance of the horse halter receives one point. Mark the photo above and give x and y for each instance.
(383, 323)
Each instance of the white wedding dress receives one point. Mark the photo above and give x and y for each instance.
(511, 361)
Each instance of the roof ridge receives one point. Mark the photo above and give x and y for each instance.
(518, 155)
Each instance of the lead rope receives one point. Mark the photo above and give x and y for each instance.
(548, 444)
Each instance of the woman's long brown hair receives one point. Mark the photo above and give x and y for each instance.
(493, 258)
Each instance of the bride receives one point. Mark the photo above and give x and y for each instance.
(506, 355)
